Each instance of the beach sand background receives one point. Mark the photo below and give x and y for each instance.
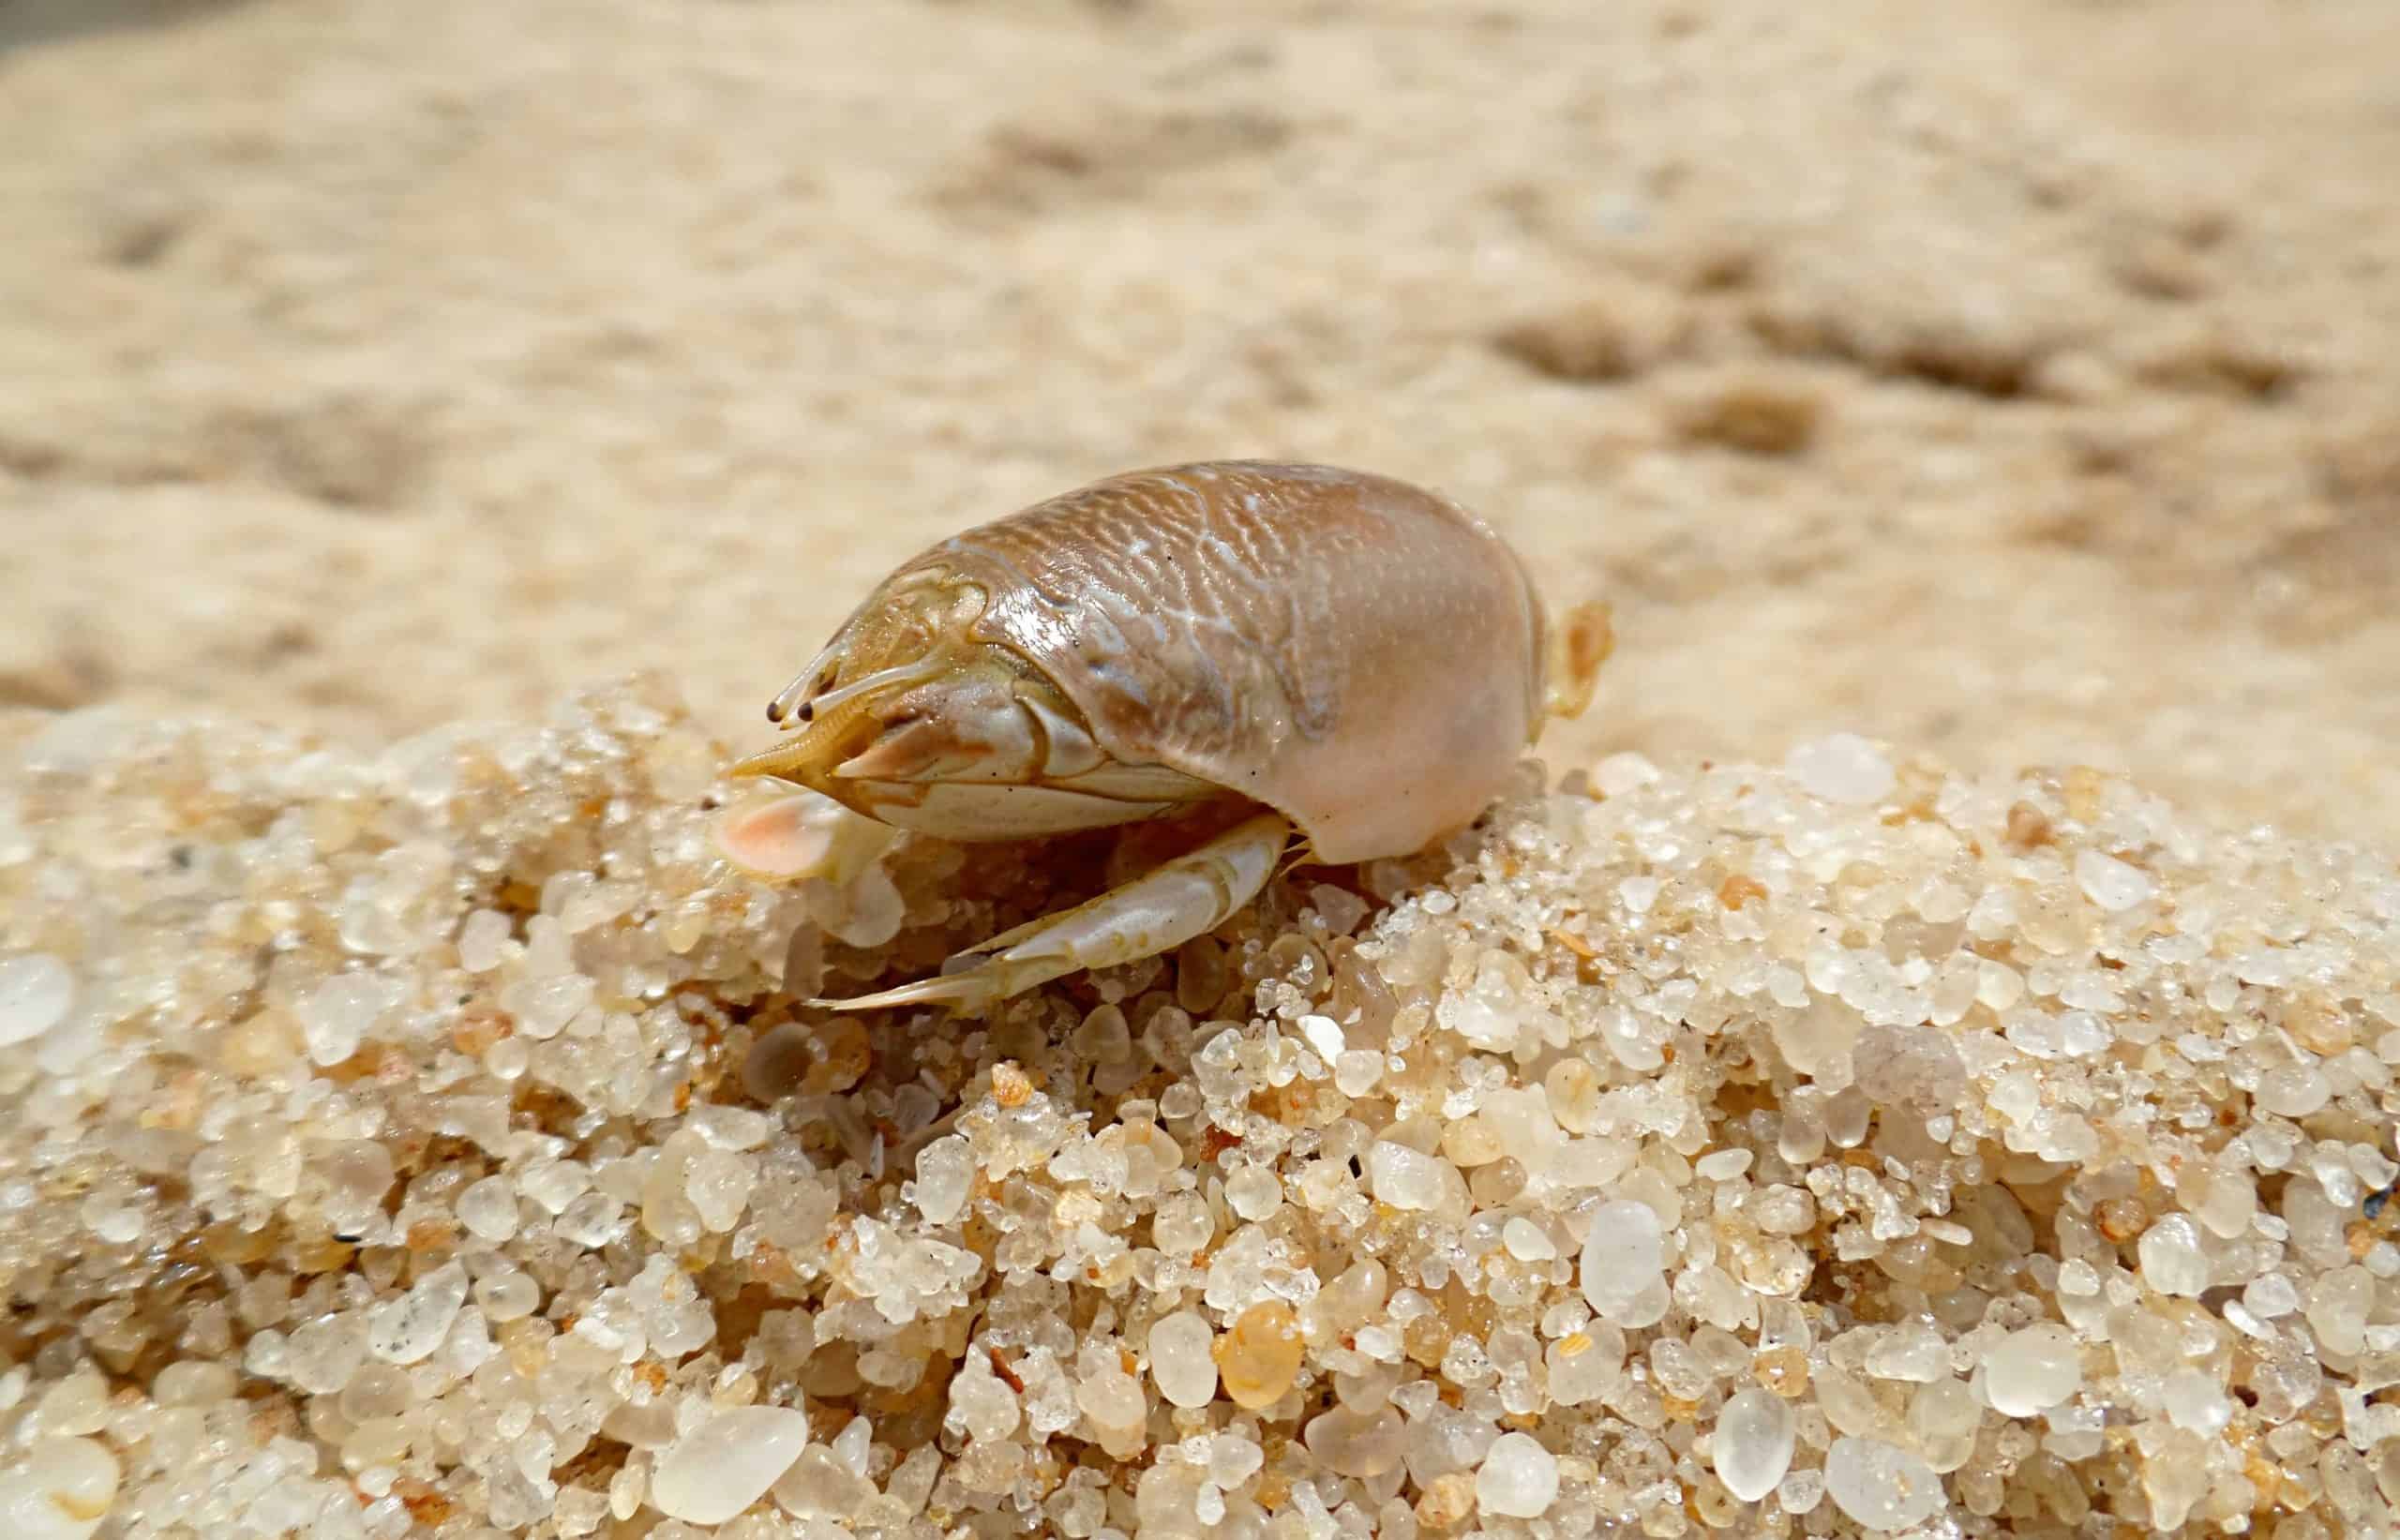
(2014, 380)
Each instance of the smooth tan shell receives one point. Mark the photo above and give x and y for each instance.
(1359, 654)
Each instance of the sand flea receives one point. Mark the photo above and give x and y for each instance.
(1263, 648)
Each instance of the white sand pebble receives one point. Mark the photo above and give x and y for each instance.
(2196, 1401)
(1324, 1035)
(1527, 1241)
(59, 1489)
(1622, 773)
(489, 1209)
(1623, 1258)
(1519, 1477)
(1881, 1486)
(2032, 1370)
(1844, 768)
(1181, 1361)
(728, 1463)
(35, 989)
(483, 940)
(2293, 1090)
(2171, 1260)
(945, 1177)
(405, 1329)
(1255, 1193)
(1753, 1443)
(1357, 1071)
(1411, 1179)
(2110, 883)
(337, 1015)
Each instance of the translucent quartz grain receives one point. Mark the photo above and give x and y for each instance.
(718, 1184)
(1355, 1072)
(336, 1015)
(2270, 1295)
(819, 1485)
(1752, 1444)
(1943, 1416)
(60, 1488)
(1622, 1260)
(481, 939)
(2171, 1260)
(357, 1173)
(1518, 1477)
(2339, 1305)
(1881, 1486)
(1182, 1224)
(1573, 1090)
(194, 1382)
(407, 1330)
(2031, 1369)
(1255, 1193)
(945, 1175)
(36, 990)
(1801, 1492)
(726, 1463)
(322, 1354)
(732, 1128)
(778, 1062)
(1817, 1041)
(1259, 1356)
(1722, 1165)
(375, 1391)
(489, 1209)
(1111, 1399)
(2293, 1090)
(2111, 883)
(1182, 1360)
(2196, 1401)
(1843, 768)
(1912, 1351)
(1356, 1444)
(508, 1296)
(1527, 1241)
(543, 1007)
(1324, 1035)
(1411, 1179)
(2056, 1107)
(983, 1405)
(2227, 1201)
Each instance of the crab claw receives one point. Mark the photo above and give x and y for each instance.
(803, 835)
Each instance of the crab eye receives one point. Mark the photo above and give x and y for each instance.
(820, 672)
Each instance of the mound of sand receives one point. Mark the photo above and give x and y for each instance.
(428, 1144)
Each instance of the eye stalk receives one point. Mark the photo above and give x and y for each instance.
(908, 639)
(867, 690)
(883, 680)
(792, 700)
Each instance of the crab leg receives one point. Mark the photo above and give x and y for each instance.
(1188, 896)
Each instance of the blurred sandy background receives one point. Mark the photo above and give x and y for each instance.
(2018, 378)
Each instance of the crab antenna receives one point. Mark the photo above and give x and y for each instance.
(882, 679)
(806, 680)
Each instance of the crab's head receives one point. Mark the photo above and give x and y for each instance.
(909, 718)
